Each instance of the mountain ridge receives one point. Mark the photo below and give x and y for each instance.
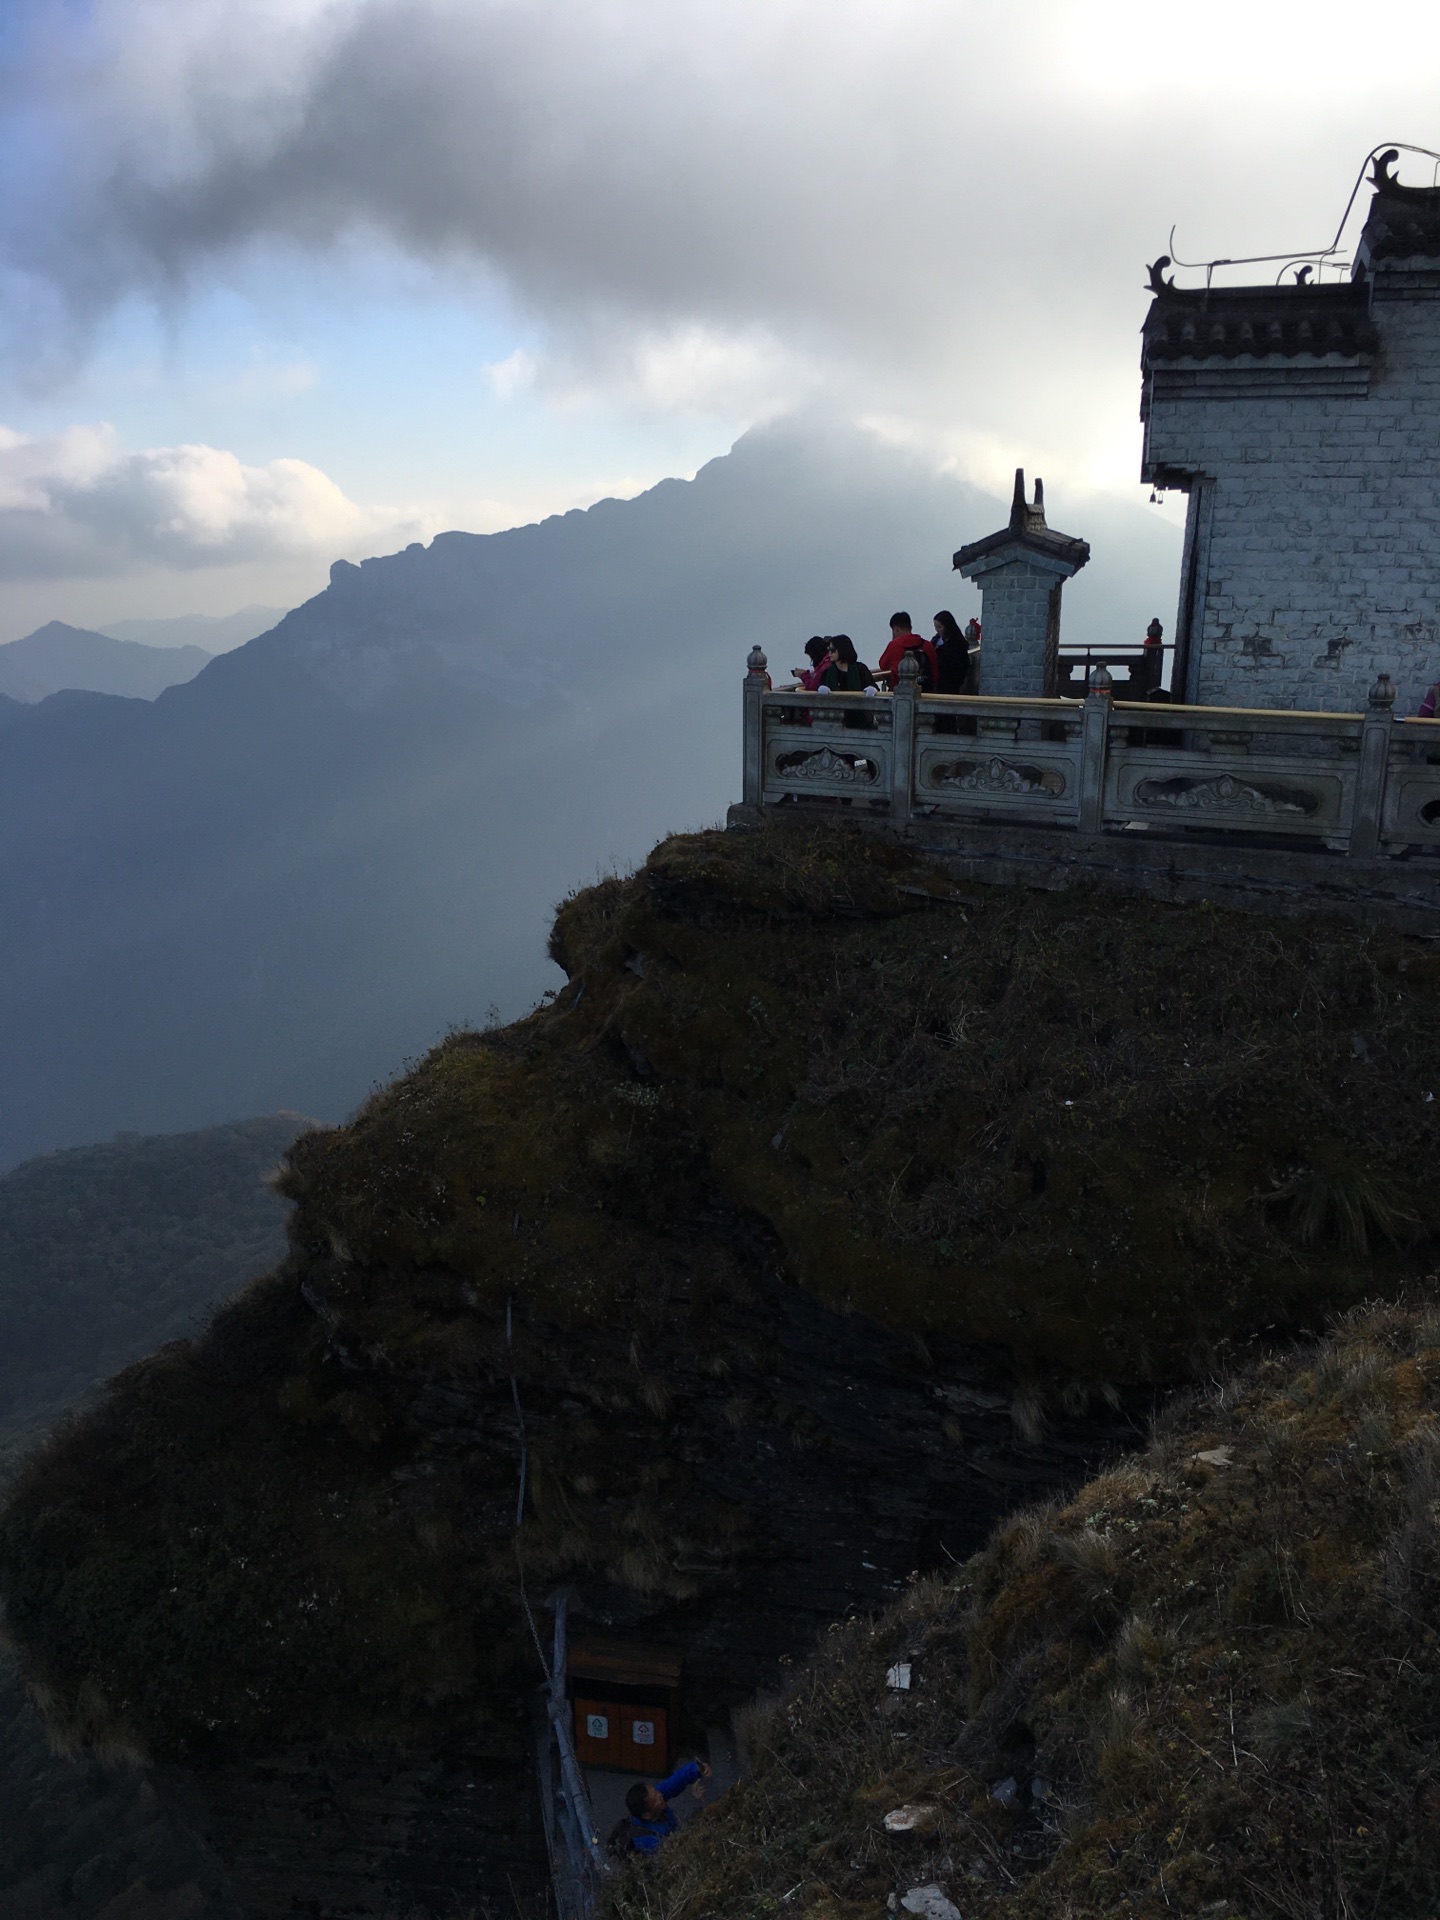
(268, 885)
(59, 658)
(214, 632)
(109, 1250)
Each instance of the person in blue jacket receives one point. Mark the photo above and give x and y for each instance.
(651, 1820)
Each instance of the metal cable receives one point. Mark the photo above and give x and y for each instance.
(520, 1490)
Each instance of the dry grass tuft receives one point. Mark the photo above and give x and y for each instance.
(1095, 1564)
(1253, 1736)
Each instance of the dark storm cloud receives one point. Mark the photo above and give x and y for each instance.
(914, 197)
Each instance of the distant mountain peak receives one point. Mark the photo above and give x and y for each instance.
(215, 632)
(59, 658)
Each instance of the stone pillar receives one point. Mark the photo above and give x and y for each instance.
(1020, 572)
(1094, 745)
(1374, 765)
(756, 683)
(902, 738)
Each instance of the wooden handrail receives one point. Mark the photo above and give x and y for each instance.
(1159, 712)
(1197, 716)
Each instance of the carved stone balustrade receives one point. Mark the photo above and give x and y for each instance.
(1347, 785)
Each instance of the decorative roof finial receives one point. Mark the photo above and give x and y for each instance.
(1158, 282)
(1040, 497)
(1382, 176)
(1017, 499)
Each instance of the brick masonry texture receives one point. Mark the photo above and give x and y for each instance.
(1016, 615)
(1316, 516)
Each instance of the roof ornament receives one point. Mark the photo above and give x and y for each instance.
(1379, 160)
(1027, 530)
(1156, 270)
(1025, 517)
(1302, 275)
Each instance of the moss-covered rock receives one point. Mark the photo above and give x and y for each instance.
(1115, 1136)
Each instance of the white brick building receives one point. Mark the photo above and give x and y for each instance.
(1304, 423)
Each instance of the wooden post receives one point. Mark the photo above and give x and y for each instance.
(756, 686)
(1374, 765)
(1094, 741)
(902, 737)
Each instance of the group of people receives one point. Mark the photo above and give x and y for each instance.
(948, 663)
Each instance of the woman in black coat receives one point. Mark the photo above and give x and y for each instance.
(954, 654)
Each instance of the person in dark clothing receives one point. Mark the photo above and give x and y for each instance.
(954, 655)
(846, 673)
(651, 1820)
(818, 652)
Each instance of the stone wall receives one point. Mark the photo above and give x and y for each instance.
(1019, 619)
(1315, 514)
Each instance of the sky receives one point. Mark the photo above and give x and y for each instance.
(283, 281)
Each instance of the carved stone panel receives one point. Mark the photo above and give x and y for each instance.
(1412, 805)
(824, 765)
(1035, 780)
(1309, 795)
(997, 776)
(1223, 793)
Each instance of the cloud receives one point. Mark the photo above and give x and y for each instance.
(923, 207)
(688, 367)
(78, 504)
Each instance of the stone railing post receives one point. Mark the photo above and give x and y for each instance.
(756, 686)
(1374, 765)
(902, 737)
(1094, 743)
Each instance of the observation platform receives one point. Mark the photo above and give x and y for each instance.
(1269, 809)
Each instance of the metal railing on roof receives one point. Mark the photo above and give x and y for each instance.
(1390, 148)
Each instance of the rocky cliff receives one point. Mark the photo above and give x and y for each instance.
(827, 1212)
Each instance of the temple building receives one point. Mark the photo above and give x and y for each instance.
(1303, 421)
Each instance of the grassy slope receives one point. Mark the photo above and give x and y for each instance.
(1227, 1675)
(108, 1251)
(1113, 1138)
